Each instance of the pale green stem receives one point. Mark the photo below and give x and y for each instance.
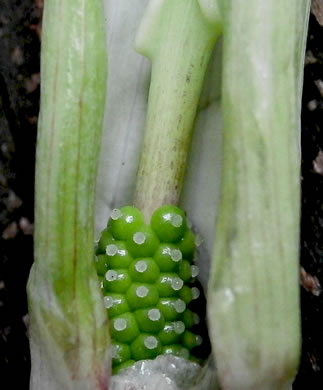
(253, 297)
(179, 40)
(68, 323)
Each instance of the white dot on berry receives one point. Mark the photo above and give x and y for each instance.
(176, 255)
(108, 302)
(154, 314)
(111, 250)
(179, 327)
(151, 342)
(198, 340)
(176, 220)
(195, 293)
(120, 324)
(139, 238)
(111, 275)
(180, 306)
(176, 283)
(141, 291)
(116, 214)
(141, 266)
(195, 270)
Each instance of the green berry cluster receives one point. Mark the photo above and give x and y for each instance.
(149, 285)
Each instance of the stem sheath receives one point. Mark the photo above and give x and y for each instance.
(253, 298)
(179, 40)
(68, 326)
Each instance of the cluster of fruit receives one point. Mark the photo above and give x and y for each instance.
(154, 301)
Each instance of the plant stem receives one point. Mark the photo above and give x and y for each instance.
(253, 298)
(179, 40)
(68, 326)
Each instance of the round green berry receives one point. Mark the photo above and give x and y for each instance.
(117, 281)
(122, 366)
(141, 295)
(169, 284)
(143, 242)
(124, 328)
(150, 320)
(124, 222)
(144, 270)
(172, 332)
(120, 353)
(190, 319)
(169, 223)
(116, 304)
(168, 257)
(191, 340)
(145, 346)
(171, 308)
(118, 255)
(187, 245)
(185, 271)
(176, 350)
(101, 264)
(185, 293)
(106, 238)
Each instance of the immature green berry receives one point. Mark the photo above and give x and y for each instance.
(124, 222)
(150, 320)
(169, 223)
(171, 332)
(171, 308)
(140, 295)
(106, 238)
(176, 350)
(124, 328)
(144, 270)
(143, 242)
(101, 264)
(116, 304)
(187, 245)
(145, 346)
(120, 353)
(122, 366)
(169, 284)
(118, 255)
(168, 257)
(116, 281)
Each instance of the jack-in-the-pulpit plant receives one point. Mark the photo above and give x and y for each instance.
(145, 296)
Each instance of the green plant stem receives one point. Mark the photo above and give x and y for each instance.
(253, 297)
(69, 334)
(179, 40)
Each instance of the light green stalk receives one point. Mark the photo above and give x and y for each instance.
(178, 38)
(68, 325)
(253, 297)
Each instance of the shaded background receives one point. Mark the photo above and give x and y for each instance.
(20, 26)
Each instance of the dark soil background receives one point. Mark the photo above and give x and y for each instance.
(20, 26)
